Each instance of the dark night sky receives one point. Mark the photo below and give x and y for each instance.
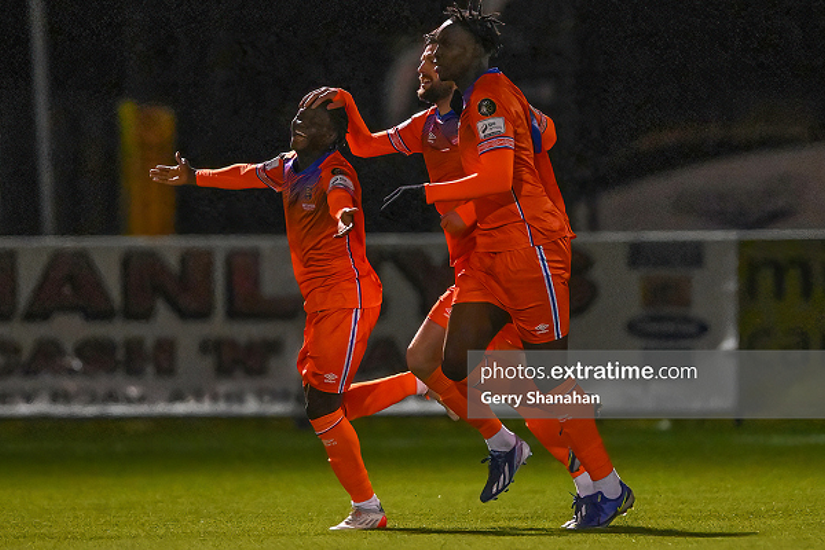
(637, 86)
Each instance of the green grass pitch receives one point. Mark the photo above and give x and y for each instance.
(264, 483)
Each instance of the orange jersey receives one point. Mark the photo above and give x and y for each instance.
(436, 137)
(331, 272)
(496, 143)
(544, 137)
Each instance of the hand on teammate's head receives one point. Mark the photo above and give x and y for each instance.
(318, 96)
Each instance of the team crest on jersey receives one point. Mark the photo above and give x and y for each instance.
(486, 107)
(307, 200)
(490, 127)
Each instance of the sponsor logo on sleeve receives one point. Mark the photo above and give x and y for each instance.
(490, 127)
(272, 164)
(342, 182)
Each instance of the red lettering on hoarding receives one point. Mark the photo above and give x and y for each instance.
(137, 357)
(10, 356)
(231, 356)
(48, 356)
(146, 277)
(90, 356)
(96, 356)
(71, 283)
(243, 292)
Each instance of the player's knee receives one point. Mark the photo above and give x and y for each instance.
(318, 403)
(454, 367)
(420, 362)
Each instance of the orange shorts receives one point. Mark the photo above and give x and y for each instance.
(507, 339)
(334, 344)
(529, 283)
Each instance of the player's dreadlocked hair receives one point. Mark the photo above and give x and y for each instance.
(340, 122)
(485, 28)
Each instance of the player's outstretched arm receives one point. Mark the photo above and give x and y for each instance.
(181, 174)
(236, 176)
(494, 175)
(362, 142)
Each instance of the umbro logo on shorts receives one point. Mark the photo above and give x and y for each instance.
(543, 328)
(330, 378)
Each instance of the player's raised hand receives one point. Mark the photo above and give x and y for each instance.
(181, 174)
(314, 98)
(346, 221)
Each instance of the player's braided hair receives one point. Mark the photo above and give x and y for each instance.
(484, 27)
(340, 122)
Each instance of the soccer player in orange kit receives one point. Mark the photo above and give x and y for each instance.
(342, 292)
(521, 263)
(434, 133)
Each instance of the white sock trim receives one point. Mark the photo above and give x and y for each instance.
(584, 485)
(609, 485)
(504, 440)
(372, 503)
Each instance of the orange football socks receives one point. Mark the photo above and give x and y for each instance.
(582, 435)
(344, 452)
(548, 432)
(366, 398)
(454, 395)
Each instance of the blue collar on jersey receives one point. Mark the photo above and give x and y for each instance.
(469, 91)
(298, 182)
(447, 116)
(312, 167)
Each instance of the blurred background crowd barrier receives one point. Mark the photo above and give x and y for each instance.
(212, 325)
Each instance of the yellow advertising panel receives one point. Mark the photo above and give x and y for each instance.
(147, 138)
